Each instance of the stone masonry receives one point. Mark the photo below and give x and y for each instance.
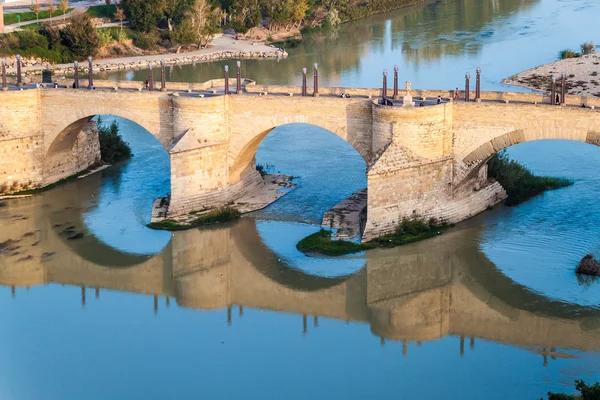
(423, 161)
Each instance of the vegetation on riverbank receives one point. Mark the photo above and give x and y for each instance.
(408, 231)
(586, 48)
(112, 146)
(170, 25)
(518, 181)
(585, 392)
(216, 216)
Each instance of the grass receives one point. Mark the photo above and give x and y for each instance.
(102, 11)
(168, 225)
(11, 18)
(321, 243)
(563, 54)
(408, 231)
(222, 214)
(518, 181)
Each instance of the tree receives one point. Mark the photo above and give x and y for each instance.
(143, 15)
(80, 37)
(120, 16)
(174, 11)
(203, 21)
(35, 8)
(50, 8)
(64, 7)
(107, 7)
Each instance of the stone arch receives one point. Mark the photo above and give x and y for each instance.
(73, 146)
(471, 160)
(243, 147)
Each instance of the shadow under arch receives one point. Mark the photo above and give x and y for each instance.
(267, 262)
(73, 200)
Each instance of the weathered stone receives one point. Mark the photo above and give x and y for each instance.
(424, 161)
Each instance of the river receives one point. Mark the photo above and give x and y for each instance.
(491, 309)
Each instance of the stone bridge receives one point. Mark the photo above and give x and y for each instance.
(428, 161)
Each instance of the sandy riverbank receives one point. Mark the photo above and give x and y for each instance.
(225, 46)
(583, 75)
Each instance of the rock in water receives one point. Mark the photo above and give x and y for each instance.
(588, 265)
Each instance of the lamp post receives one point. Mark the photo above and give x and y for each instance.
(239, 77)
(90, 72)
(396, 96)
(478, 84)
(76, 75)
(19, 77)
(163, 83)
(316, 80)
(467, 77)
(304, 91)
(553, 92)
(563, 89)
(150, 77)
(4, 87)
(384, 88)
(226, 72)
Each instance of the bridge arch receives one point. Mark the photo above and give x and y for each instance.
(480, 132)
(76, 146)
(243, 148)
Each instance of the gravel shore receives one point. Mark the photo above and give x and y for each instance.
(583, 75)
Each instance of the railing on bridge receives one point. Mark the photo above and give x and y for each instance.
(552, 98)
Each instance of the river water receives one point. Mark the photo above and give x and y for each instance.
(492, 309)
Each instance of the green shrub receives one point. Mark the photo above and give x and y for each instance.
(104, 38)
(80, 37)
(563, 54)
(519, 182)
(112, 147)
(321, 243)
(412, 226)
(588, 47)
(145, 41)
(168, 225)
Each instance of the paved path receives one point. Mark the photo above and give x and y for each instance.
(14, 27)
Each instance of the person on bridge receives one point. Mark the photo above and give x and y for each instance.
(557, 99)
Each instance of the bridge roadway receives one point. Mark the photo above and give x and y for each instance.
(443, 286)
(429, 161)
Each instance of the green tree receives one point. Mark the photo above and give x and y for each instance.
(80, 37)
(585, 392)
(174, 11)
(143, 15)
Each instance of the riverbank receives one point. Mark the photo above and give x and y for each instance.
(225, 46)
(583, 76)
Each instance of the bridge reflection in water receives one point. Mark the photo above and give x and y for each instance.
(443, 286)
